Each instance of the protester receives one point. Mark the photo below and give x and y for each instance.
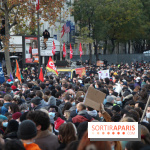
(57, 107)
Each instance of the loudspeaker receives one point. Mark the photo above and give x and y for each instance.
(61, 63)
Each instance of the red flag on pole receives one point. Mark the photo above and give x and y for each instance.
(80, 49)
(64, 51)
(41, 77)
(53, 49)
(18, 75)
(37, 4)
(51, 66)
(63, 31)
(71, 52)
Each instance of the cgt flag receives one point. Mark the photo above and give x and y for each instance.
(2, 78)
(51, 66)
(64, 51)
(53, 48)
(41, 77)
(37, 4)
(80, 49)
(71, 52)
(18, 75)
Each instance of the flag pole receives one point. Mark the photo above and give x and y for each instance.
(60, 37)
(38, 26)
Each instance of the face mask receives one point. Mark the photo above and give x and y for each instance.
(28, 80)
(5, 124)
(73, 104)
(23, 89)
(11, 91)
(101, 118)
(47, 84)
(52, 114)
(82, 96)
(112, 147)
(95, 87)
(147, 115)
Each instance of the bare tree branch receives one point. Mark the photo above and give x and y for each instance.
(2, 9)
(14, 22)
(14, 5)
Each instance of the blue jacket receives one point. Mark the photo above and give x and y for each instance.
(4, 108)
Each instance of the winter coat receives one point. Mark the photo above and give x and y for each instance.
(62, 146)
(81, 117)
(47, 140)
(10, 136)
(52, 101)
(4, 108)
(127, 98)
(31, 146)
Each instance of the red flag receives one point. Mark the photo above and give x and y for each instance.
(41, 77)
(64, 51)
(71, 52)
(37, 4)
(51, 66)
(53, 49)
(18, 75)
(80, 49)
(63, 31)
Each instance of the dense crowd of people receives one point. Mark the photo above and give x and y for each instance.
(51, 115)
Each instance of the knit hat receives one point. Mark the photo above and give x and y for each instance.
(13, 126)
(36, 100)
(116, 108)
(13, 87)
(9, 80)
(27, 130)
(2, 117)
(109, 98)
(16, 115)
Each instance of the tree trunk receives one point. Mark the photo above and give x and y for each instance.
(105, 47)
(6, 45)
(129, 47)
(95, 47)
(90, 49)
(113, 45)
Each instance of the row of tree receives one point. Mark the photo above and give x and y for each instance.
(20, 15)
(116, 21)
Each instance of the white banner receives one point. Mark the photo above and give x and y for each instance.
(103, 74)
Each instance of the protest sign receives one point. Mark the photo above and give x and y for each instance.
(81, 72)
(103, 74)
(94, 98)
(145, 109)
(100, 63)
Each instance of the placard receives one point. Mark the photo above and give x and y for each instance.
(103, 74)
(94, 98)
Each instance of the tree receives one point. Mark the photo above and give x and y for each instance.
(84, 13)
(21, 13)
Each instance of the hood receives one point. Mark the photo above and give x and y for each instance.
(52, 101)
(58, 123)
(128, 96)
(85, 114)
(72, 108)
(92, 113)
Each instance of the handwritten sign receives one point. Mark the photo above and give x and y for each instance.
(103, 74)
